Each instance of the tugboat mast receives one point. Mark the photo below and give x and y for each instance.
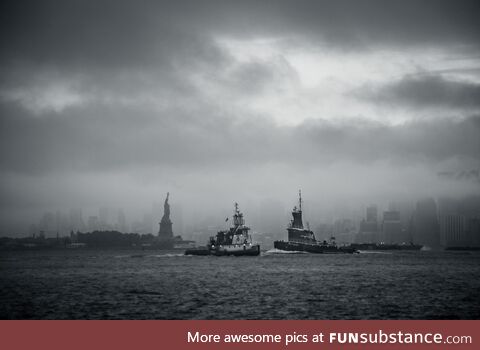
(236, 208)
(300, 199)
(238, 217)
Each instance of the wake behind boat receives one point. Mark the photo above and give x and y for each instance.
(303, 240)
(236, 241)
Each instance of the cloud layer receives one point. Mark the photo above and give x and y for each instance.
(109, 102)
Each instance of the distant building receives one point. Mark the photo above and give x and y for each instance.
(104, 218)
(459, 221)
(372, 214)
(147, 223)
(426, 229)
(155, 210)
(93, 223)
(392, 228)
(121, 221)
(446, 207)
(473, 229)
(455, 227)
(76, 220)
(368, 232)
(48, 225)
(177, 217)
(269, 219)
(406, 210)
(137, 227)
(344, 231)
(62, 223)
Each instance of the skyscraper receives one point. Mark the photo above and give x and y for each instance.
(392, 228)
(93, 223)
(405, 209)
(458, 221)
(372, 213)
(104, 218)
(121, 221)
(455, 227)
(426, 228)
(369, 228)
(76, 220)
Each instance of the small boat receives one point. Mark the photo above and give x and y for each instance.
(303, 240)
(235, 241)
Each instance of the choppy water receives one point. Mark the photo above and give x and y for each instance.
(92, 284)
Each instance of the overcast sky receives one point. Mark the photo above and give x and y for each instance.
(117, 102)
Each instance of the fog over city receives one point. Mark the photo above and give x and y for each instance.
(116, 103)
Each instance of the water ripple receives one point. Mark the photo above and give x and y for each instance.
(167, 285)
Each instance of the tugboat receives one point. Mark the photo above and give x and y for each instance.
(303, 240)
(235, 241)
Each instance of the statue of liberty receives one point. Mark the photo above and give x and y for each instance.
(166, 208)
(165, 231)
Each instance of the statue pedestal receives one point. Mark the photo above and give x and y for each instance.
(165, 231)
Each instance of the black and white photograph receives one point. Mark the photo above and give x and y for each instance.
(239, 160)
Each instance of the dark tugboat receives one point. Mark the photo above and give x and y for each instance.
(303, 240)
(235, 241)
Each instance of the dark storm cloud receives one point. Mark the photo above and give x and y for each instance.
(98, 33)
(111, 33)
(425, 91)
(106, 41)
(353, 24)
(126, 49)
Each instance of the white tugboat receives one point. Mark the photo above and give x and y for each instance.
(235, 241)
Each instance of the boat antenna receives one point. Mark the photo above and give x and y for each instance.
(300, 199)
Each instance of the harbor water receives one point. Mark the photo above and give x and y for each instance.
(135, 284)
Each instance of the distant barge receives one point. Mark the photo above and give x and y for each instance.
(381, 246)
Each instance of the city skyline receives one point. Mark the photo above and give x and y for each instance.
(444, 222)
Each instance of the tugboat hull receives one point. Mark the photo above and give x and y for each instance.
(312, 248)
(252, 250)
(237, 251)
